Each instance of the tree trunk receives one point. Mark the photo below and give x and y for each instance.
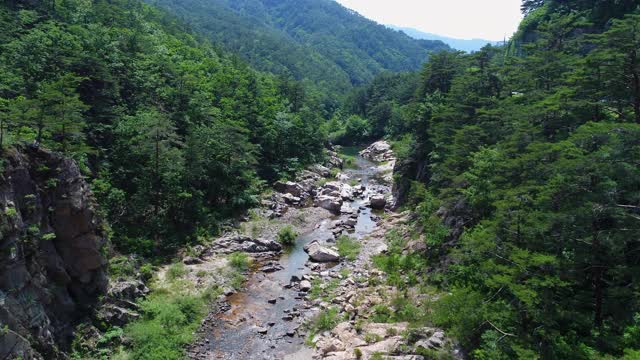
(635, 80)
(597, 271)
(1, 134)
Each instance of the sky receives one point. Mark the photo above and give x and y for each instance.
(463, 19)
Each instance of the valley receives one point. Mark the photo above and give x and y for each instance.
(288, 179)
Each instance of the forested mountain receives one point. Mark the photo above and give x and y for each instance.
(522, 165)
(315, 40)
(175, 135)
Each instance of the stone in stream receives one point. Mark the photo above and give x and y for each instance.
(305, 285)
(272, 301)
(378, 201)
(320, 253)
(262, 330)
(328, 202)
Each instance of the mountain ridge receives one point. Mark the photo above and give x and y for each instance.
(320, 41)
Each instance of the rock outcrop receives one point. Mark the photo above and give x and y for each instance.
(379, 151)
(52, 246)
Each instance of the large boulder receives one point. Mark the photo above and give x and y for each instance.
(234, 242)
(379, 151)
(333, 160)
(290, 187)
(328, 202)
(320, 253)
(320, 170)
(127, 290)
(377, 201)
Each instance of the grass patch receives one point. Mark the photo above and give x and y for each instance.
(320, 289)
(122, 267)
(324, 321)
(287, 236)
(167, 325)
(348, 247)
(239, 261)
(176, 271)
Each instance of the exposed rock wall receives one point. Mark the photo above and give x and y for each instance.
(52, 267)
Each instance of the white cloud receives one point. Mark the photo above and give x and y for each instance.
(465, 19)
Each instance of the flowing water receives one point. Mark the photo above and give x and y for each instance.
(254, 327)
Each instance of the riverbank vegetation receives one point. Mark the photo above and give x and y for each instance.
(521, 163)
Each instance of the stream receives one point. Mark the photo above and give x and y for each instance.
(255, 327)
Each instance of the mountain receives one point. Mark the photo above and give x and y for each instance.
(317, 40)
(468, 45)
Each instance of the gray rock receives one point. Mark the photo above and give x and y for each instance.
(191, 260)
(305, 285)
(330, 203)
(289, 187)
(319, 253)
(378, 201)
(127, 290)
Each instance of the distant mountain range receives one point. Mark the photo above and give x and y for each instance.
(458, 44)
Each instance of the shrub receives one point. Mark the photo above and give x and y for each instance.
(176, 271)
(357, 353)
(239, 261)
(371, 338)
(167, 325)
(146, 271)
(348, 247)
(326, 320)
(122, 266)
(381, 314)
(287, 236)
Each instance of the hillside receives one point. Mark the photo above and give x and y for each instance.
(468, 45)
(316, 40)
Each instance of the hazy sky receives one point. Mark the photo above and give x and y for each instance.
(465, 19)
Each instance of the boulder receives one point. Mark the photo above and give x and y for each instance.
(116, 316)
(320, 253)
(379, 151)
(377, 201)
(320, 170)
(234, 242)
(305, 285)
(330, 203)
(127, 290)
(289, 187)
(333, 161)
(190, 260)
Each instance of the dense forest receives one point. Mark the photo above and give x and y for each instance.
(522, 166)
(314, 40)
(176, 135)
(520, 163)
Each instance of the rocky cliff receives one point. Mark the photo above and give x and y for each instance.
(52, 267)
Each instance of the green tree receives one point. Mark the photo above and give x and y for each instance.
(61, 110)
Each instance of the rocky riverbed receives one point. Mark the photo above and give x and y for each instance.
(288, 289)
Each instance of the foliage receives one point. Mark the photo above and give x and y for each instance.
(176, 271)
(167, 325)
(239, 261)
(174, 134)
(348, 247)
(287, 236)
(529, 156)
(301, 38)
(326, 320)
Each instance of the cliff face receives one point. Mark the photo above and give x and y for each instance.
(52, 267)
